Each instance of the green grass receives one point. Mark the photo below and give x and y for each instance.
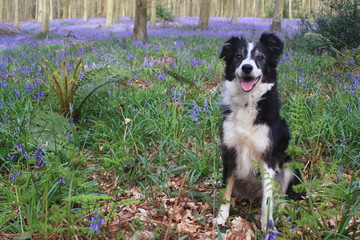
(142, 136)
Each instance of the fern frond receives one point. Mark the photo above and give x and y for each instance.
(85, 198)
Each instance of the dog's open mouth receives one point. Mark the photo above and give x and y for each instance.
(248, 83)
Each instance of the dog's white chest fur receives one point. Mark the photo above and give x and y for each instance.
(239, 131)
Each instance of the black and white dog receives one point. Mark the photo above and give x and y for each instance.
(253, 134)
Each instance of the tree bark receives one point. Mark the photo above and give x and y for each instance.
(1, 12)
(109, 12)
(153, 13)
(290, 9)
(45, 15)
(204, 15)
(86, 10)
(116, 14)
(235, 12)
(51, 14)
(140, 25)
(16, 14)
(278, 9)
(39, 13)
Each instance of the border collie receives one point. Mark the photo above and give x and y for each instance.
(253, 136)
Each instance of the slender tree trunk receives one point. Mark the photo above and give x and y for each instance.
(204, 15)
(140, 25)
(1, 12)
(290, 9)
(16, 14)
(109, 12)
(308, 9)
(242, 8)
(235, 12)
(116, 13)
(253, 8)
(51, 14)
(86, 10)
(65, 13)
(259, 12)
(153, 13)
(278, 9)
(45, 15)
(40, 9)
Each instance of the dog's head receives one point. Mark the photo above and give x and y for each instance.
(252, 63)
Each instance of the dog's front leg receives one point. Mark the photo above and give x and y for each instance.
(267, 200)
(225, 207)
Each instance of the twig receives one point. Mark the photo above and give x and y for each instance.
(175, 207)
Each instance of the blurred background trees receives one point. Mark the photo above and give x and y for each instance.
(335, 22)
(62, 9)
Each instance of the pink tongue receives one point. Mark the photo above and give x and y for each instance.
(248, 86)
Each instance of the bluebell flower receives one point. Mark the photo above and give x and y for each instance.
(95, 224)
(62, 180)
(20, 149)
(69, 136)
(12, 177)
(271, 235)
(10, 157)
(206, 109)
(292, 223)
(195, 113)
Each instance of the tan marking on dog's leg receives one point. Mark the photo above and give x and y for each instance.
(225, 207)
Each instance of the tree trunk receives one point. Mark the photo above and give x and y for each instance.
(51, 14)
(116, 14)
(65, 9)
(140, 25)
(204, 15)
(259, 12)
(278, 9)
(290, 9)
(86, 10)
(242, 8)
(235, 12)
(45, 16)
(1, 12)
(109, 12)
(153, 13)
(308, 9)
(40, 7)
(16, 14)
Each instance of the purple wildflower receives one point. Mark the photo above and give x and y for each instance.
(292, 223)
(206, 109)
(39, 157)
(195, 113)
(20, 149)
(95, 224)
(62, 180)
(3, 84)
(10, 157)
(271, 235)
(69, 136)
(12, 177)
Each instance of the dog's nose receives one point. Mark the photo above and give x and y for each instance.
(247, 68)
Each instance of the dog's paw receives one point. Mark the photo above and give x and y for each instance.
(221, 218)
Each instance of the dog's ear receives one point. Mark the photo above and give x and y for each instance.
(274, 45)
(228, 47)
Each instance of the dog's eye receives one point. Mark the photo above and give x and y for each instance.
(239, 56)
(260, 58)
